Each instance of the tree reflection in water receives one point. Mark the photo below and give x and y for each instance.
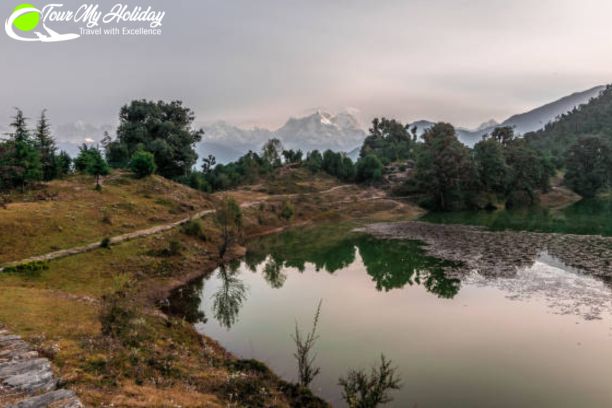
(228, 299)
(392, 264)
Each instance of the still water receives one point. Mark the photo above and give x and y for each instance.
(542, 338)
(591, 217)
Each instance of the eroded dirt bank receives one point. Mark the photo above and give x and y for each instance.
(502, 253)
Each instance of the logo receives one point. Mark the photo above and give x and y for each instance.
(29, 23)
(26, 18)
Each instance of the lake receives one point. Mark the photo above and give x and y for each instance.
(542, 337)
(591, 217)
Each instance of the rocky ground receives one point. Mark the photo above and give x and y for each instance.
(502, 253)
(26, 378)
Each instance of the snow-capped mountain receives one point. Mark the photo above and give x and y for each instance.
(320, 130)
(524, 122)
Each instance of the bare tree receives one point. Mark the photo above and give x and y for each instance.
(306, 369)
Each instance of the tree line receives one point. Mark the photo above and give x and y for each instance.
(158, 137)
(29, 155)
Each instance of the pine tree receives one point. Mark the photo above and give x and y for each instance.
(25, 159)
(46, 147)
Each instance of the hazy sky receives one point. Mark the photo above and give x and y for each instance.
(257, 62)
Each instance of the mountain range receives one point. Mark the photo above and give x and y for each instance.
(342, 132)
(522, 123)
(320, 130)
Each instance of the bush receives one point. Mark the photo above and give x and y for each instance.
(369, 169)
(105, 243)
(363, 390)
(31, 268)
(194, 228)
(143, 164)
(287, 211)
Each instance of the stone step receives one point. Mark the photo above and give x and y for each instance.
(59, 399)
(20, 367)
(26, 379)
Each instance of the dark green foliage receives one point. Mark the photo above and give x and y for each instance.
(444, 169)
(501, 167)
(194, 228)
(389, 140)
(197, 180)
(46, 148)
(142, 164)
(287, 211)
(363, 390)
(90, 161)
(174, 248)
(63, 163)
(369, 169)
(588, 166)
(292, 156)
(117, 154)
(338, 165)
(163, 129)
(314, 161)
(105, 243)
(593, 118)
(490, 165)
(529, 171)
(31, 268)
(246, 169)
(20, 163)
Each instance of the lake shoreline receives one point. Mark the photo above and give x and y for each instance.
(501, 253)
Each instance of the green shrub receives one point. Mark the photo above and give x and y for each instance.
(194, 228)
(287, 211)
(143, 164)
(31, 268)
(105, 243)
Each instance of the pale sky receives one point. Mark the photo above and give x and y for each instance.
(260, 62)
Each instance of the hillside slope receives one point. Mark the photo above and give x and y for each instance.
(593, 118)
(65, 213)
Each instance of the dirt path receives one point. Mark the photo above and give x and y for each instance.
(26, 378)
(141, 233)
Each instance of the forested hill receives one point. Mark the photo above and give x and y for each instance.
(593, 119)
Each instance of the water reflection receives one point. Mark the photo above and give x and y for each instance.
(230, 296)
(587, 217)
(391, 264)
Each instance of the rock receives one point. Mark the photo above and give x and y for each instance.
(59, 398)
(26, 379)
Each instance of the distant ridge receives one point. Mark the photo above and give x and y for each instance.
(526, 122)
(593, 118)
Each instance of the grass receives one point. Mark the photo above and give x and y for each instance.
(70, 212)
(144, 358)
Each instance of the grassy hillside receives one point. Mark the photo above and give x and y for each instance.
(95, 314)
(65, 213)
(593, 118)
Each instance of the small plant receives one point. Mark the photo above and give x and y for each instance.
(174, 248)
(363, 390)
(306, 369)
(31, 268)
(105, 243)
(287, 211)
(194, 228)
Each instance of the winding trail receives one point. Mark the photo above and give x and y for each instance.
(26, 378)
(142, 233)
